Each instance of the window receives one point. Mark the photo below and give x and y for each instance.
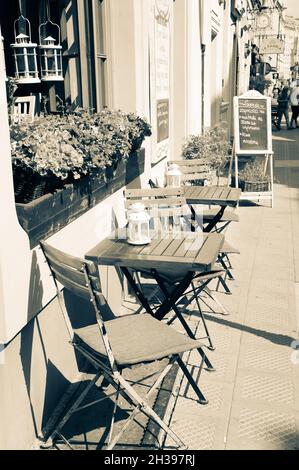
(83, 40)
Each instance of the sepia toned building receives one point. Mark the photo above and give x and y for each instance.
(176, 63)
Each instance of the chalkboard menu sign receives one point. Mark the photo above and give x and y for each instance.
(162, 120)
(253, 123)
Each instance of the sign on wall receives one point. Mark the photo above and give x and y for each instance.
(162, 120)
(271, 45)
(160, 79)
(253, 127)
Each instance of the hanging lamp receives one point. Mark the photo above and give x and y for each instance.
(24, 52)
(50, 51)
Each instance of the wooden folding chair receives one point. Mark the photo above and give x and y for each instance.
(112, 344)
(196, 170)
(192, 171)
(167, 203)
(166, 206)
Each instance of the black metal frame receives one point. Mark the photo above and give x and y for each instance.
(171, 299)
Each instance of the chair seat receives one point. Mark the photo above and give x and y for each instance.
(210, 275)
(228, 216)
(229, 249)
(136, 339)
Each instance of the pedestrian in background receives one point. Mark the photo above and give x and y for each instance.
(283, 107)
(275, 93)
(294, 102)
(294, 83)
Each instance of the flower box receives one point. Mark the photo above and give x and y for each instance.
(251, 186)
(257, 186)
(46, 215)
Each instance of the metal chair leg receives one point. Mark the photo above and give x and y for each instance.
(225, 286)
(212, 347)
(113, 415)
(225, 267)
(214, 298)
(142, 406)
(182, 320)
(228, 261)
(188, 330)
(201, 398)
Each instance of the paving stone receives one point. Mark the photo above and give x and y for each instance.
(196, 434)
(266, 429)
(272, 389)
(254, 392)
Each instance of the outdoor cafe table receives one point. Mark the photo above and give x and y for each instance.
(212, 195)
(186, 252)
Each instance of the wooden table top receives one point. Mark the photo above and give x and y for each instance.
(191, 250)
(218, 195)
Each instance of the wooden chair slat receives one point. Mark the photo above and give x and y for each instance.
(153, 192)
(193, 161)
(194, 169)
(73, 279)
(171, 201)
(194, 176)
(68, 260)
(74, 275)
(77, 289)
(169, 211)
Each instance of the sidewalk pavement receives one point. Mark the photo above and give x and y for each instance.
(254, 392)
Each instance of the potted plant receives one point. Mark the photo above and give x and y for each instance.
(138, 129)
(259, 83)
(212, 147)
(253, 178)
(65, 165)
(55, 150)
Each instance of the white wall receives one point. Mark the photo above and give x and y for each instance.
(15, 255)
(193, 54)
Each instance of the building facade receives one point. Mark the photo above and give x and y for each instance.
(178, 64)
(275, 35)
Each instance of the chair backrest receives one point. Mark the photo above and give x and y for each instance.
(81, 277)
(165, 205)
(192, 170)
(24, 108)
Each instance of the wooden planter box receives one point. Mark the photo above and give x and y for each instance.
(46, 215)
(258, 187)
(250, 186)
